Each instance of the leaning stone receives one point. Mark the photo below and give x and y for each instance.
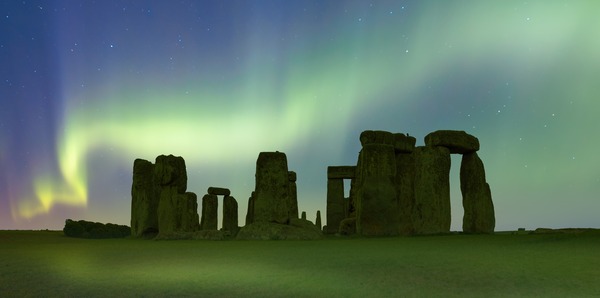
(376, 137)
(144, 200)
(404, 143)
(271, 202)
(477, 198)
(457, 141)
(219, 191)
(432, 190)
(230, 215)
(341, 172)
(209, 220)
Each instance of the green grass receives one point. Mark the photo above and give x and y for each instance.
(46, 264)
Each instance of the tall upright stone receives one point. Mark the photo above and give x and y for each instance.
(250, 211)
(230, 214)
(377, 203)
(477, 198)
(210, 205)
(170, 174)
(318, 219)
(432, 190)
(405, 184)
(335, 204)
(293, 195)
(271, 202)
(189, 212)
(144, 199)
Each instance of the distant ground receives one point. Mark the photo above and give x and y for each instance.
(46, 263)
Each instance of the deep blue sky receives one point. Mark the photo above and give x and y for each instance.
(88, 86)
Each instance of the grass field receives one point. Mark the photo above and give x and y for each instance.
(46, 263)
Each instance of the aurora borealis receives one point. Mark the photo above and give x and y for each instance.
(86, 87)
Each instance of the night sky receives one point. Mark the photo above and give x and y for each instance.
(88, 86)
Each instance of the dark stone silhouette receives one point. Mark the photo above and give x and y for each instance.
(144, 200)
(177, 210)
(402, 189)
(303, 217)
(250, 212)
(293, 195)
(457, 141)
(432, 190)
(377, 204)
(219, 191)
(271, 201)
(230, 215)
(318, 220)
(95, 230)
(210, 205)
(477, 197)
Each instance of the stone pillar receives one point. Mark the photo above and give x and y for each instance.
(432, 190)
(303, 215)
(318, 220)
(189, 212)
(271, 202)
(377, 203)
(404, 145)
(293, 195)
(230, 214)
(209, 220)
(335, 204)
(170, 174)
(144, 199)
(250, 211)
(477, 198)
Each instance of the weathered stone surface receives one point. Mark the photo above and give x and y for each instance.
(250, 211)
(298, 229)
(335, 205)
(170, 171)
(210, 205)
(177, 212)
(457, 141)
(318, 220)
(292, 176)
(144, 200)
(405, 183)
(432, 190)
(293, 197)
(348, 226)
(271, 202)
(230, 215)
(477, 198)
(376, 137)
(404, 143)
(219, 191)
(341, 172)
(377, 202)
(189, 212)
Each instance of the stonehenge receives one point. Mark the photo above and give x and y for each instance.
(400, 189)
(396, 188)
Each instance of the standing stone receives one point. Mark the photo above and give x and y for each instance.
(432, 190)
(250, 211)
(144, 199)
(477, 198)
(318, 220)
(377, 202)
(230, 214)
(209, 220)
(405, 183)
(189, 212)
(170, 174)
(303, 215)
(293, 195)
(271, 202)
(335, 204)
